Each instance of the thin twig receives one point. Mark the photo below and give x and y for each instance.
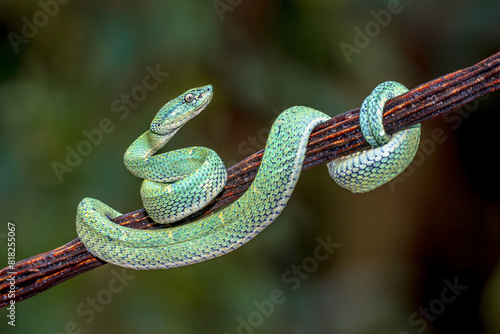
(334, 138)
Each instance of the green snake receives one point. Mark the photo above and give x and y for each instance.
(181, 182)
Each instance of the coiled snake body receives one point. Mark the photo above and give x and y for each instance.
(181, 182)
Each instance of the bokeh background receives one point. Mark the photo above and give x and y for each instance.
(417, 256)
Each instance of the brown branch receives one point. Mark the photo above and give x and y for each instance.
(334, 138)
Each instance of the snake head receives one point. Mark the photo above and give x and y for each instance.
(180, 110)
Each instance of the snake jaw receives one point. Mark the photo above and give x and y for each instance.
(180, 110)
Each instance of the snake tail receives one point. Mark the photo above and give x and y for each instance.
(369, 169)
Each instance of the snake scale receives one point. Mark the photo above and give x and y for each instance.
(180, 182)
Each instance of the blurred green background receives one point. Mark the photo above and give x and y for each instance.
(417, 256)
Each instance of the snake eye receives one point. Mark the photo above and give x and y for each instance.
(189, 97)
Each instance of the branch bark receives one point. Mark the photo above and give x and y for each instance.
(332, 139)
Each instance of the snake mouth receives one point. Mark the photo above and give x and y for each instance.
(205, 99)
